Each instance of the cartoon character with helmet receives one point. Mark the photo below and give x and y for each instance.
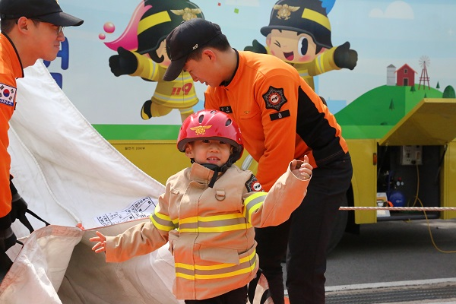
(150, 60)
(299, 32)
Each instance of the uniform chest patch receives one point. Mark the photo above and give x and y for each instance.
(274, 98)
(226, 109)
(7, 94)
(253, 185)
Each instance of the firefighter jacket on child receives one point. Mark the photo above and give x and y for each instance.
(210, 230)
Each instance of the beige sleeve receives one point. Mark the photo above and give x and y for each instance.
(276, 206)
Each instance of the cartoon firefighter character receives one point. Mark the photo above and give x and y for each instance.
(151, 60)
(299, 32)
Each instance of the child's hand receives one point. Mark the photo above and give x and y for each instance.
(302, 169)
(100, 246)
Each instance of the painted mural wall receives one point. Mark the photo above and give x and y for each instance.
(111, 66)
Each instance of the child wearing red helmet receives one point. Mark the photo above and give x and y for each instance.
(208, 214)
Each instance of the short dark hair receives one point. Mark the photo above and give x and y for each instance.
(7, 25)
(220, 43)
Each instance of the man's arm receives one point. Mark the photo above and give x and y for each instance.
(277, 99)
(7, 237)
(5, 163)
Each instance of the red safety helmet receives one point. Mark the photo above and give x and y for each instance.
(211, 124)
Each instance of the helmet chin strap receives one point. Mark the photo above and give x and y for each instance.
(216, 170)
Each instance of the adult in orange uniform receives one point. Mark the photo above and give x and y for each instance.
(281, 118)
(30, 30)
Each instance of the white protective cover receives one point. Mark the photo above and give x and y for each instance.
(69, 174)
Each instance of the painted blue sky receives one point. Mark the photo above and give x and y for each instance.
(383, 32)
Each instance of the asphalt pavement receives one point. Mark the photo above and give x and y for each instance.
(395, 262)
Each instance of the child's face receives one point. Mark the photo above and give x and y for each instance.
(209, 151)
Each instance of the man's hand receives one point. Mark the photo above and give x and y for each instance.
(18, 207)
(123, 64)
(301, 169)
(100, 246)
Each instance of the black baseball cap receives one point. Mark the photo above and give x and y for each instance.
(42, 10)
(184, 39)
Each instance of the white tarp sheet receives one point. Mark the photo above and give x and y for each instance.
(69, 174)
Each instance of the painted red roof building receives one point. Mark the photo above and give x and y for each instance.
(405, 76)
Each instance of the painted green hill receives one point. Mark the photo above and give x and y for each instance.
(375, 112)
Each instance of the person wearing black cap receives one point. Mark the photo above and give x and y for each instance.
(30, 30)
(281, 118)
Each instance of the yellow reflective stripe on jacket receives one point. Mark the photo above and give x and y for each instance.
(253, 203)
(218, 271)
(221, 217)
(162, 222)
(217, 223)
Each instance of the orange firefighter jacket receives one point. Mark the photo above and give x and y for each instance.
(210, 230)
(10, 69)
(280, 116)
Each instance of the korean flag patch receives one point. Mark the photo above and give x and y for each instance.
(7, 94)
(274, 98)
(253, 185)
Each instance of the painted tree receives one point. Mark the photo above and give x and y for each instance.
(449, 92)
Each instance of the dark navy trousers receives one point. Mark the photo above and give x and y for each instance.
(304, 238)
